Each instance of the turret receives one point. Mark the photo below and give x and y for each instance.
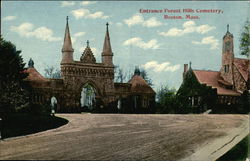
(227, 42)
(67, 49)
(107, 55)
(227, 57)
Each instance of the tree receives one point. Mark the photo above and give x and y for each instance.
(166, 100)
(245, 40)
(52, 72)
(12, 73)
(121, 75)
(145, 76)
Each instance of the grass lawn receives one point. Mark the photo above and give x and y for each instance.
(19, 124)
(239, 152)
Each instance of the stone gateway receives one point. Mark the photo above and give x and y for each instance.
(89, 85)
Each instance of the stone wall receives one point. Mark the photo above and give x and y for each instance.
(239, 82)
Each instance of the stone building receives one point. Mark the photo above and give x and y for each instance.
(89, 84)
(231, 81)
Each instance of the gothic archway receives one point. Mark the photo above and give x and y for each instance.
(88, 97)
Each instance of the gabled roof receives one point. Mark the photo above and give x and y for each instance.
(243, 66)
(212, 78)
(139, 85)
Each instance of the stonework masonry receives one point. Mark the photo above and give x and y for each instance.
(77, 76)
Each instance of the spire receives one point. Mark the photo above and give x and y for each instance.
(87, 43)
(228, 33)
(67, 45)
(107, 46)
(31, 63)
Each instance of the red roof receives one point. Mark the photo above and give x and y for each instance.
(139, 85)
(34, 75)
(243, 66)
(211, 78)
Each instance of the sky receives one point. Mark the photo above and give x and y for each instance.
(154, 41)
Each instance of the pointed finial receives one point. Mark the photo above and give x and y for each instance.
(107, 24)
(31, 63)
(190, 64)
(67, 18)
(227, 27)
(87, 43)
(137, 71)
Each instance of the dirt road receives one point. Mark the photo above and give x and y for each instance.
(124, 137)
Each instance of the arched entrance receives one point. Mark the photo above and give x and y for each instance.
(88, 97)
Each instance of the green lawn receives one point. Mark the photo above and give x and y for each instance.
(239, 152)
(19, 124)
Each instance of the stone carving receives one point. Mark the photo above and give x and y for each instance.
(88, 56)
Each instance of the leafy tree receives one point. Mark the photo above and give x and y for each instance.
(52, 72)
(245, 40)
(166, 100)
(12, 87)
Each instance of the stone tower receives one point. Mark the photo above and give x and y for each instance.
(67, 50)
(107, 55)
(227, 57)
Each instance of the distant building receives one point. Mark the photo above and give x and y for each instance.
(230, 82)
(89, 85)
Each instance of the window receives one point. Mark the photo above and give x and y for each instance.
(194, 100)
(226, 68)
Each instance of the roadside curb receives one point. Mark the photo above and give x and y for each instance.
(214, 150)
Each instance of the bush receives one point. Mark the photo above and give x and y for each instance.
(18, 124)
(35, 109)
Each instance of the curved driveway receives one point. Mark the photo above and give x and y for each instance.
(126, 137)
